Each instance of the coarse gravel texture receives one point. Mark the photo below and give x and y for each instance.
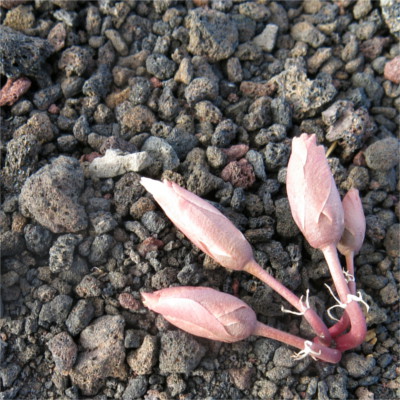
(209, 94)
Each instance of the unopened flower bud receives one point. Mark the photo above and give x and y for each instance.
(313, 197)
(204, 312)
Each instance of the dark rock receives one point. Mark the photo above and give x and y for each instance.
(391, 13)
(103, 355)
(153, 222)
(44, 98)
(51, 196)
(160, 66)
(224, 133)
(64, 351)
(9, 374)
(212, 34)
(276, 155)
(99, 83)
(11, 243)
(201, 89)
(127, 191)
(391, 241)
(160, 150)
(75, 60)
(134, 119)
(23, 55)
(100, 247)
(337, 386)
(179, 353)
(62, 252)
(20, 161)
(55, 311)
(88, 287)
(80, 317)
(358, 366)
(136, 388)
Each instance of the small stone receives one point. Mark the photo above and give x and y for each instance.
(159, 149)
(239, 173)
(142, 360)
(392, 239)
(391, 14)
(127, 301)
(185, 71)
(134, 118)
(13, 90)
(224, 133)
(383, 154)
(160, 66)
(362, 8)
(234, 70)
(149, 244)
(179, 353)
(99, 83)
(392, 70)
(117, 41)
(116, 162)
(257, 12)
(256, 160)
(64, 351)
(103, 356)
(236, 151)
(257, 89)
(9, 374)
(276, 155)
(103, 222)
(307, 33)
(205, 111)
(88, 287)
(44, 98)
(140, 207)
(80, 317)
(127, 191)
(55, 311)
(212, 34)
(62, 252)
(153, 222)
(267, 38)
(201, 89)
(51, 196)
(75, 60)
(101, 245)
(389, 294)
(136, 388)
(242, 377)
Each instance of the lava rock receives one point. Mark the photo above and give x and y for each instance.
(383, 154)
(136, 388)
(201, 89)
(64, 351)
(179, 353)
(80, 317)
(212, 34)
(99, 83)
(62, 252)
(50, 196)
(144, 358)
(55, 311)
(23, 55)
(160, 66)
(11, 243)
(103, 355)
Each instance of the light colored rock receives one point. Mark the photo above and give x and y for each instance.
(116, 162)
(267, 38)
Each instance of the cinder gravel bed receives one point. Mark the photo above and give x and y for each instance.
(208, 94)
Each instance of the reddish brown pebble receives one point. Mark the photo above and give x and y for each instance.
(236, 151)
(149, 244)
(257, 89)
(53, 109)
(155, 82)
(359, 159)
(126, 300)
(11, 92)
(392, 70)
(89, 157)
(200, 3)
(239, 173)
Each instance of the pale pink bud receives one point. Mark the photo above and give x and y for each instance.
(202, 223)
(354, 224)
(313, 197)
(204, 312)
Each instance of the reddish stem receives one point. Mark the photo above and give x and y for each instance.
(319, 351)
(358, 328)
(310, 315)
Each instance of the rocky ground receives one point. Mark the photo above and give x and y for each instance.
(207, 93)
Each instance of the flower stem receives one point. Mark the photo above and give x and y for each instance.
(310, 315)
(358, 328)
(317, 350)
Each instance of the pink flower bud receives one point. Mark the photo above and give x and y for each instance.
(204, 312)
(354, 224)
(201, 223)
(313, 197)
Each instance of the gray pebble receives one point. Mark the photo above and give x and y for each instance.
(256, 160)
(55, 311)
(161, 150)
(79, 317)
(307, 33)
(51, 196)
(337, 386)
(160, 66)
(267, 38)
(224, 133)
(72, 86)
(212, 34)
(276, 155)
(11, 243)
(182, 141)
(357, 365)
(140, 90)
(133, 338)
(179, 353)
(391, 241)
(88, 287)
(383, 154)
(136, 388)
(389, 294)
(100, 247)
(9, 374)
(201, 89)
(62, 252)
(99, 83)
(102, 222)
(45, 97)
